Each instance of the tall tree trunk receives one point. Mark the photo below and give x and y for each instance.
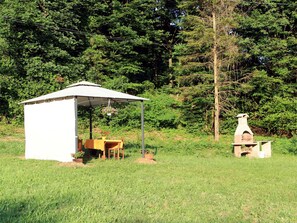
(216, 81)
(170, 57)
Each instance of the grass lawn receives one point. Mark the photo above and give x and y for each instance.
(203, 186)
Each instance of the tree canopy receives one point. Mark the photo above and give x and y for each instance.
(163, 49)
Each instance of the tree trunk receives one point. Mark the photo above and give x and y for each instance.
(216, 81)
(170, 58)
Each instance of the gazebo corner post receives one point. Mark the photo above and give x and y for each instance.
(91, 122)
(142, 128)
(76, 131)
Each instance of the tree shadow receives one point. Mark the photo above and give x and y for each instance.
(24, 211)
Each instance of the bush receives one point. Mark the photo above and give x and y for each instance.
(279, 116)
(161, 111)
(79, 154)
(291, 145)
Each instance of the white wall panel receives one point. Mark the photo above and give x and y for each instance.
(50, 130)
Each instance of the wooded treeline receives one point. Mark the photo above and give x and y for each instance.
(179, 53)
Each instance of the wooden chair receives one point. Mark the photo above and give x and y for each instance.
(117, 150)
(79, 144)
(121, 150)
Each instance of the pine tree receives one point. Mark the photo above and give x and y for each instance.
(210, 49)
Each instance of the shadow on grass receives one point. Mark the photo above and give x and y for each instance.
(91, 154)
(136, 147)
(130, 147)
(24, 211)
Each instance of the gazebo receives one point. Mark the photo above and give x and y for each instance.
(51, 120)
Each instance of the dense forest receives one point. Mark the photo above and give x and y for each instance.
(199, 62)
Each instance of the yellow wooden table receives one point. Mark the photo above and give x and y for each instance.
(104, 145)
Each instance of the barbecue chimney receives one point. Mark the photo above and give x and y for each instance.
(243, 133)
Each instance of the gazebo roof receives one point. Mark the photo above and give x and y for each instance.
(87, 94)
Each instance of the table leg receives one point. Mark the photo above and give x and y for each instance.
(103, 156)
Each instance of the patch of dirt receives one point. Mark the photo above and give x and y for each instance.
(66, 164)
(71, 164)
(145, 161)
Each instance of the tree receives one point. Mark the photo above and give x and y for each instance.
(268, 31)
(42, 46)
(47, 44)
(210, 49)
(131, 39)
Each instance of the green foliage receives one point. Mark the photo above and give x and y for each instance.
(147, 45)
(268, 36)
(47, 45)
(39, 58)
(128, 115)
(128, 40)
(122, 84)
(79, 154)
(292, 145)
(160, 112)
(280, 115)
(209, 54)
(197, 108)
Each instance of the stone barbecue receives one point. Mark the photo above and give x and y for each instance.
(244, 144)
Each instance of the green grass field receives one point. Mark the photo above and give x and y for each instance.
(194, 180)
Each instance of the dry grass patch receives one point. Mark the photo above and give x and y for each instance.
(146, 161)
(11, 139)
(72, 164)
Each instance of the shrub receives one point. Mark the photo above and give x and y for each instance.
(161, 111)
(79, 154)
(279, 116)
(291, 145)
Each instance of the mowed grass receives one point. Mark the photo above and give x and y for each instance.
(204, 186)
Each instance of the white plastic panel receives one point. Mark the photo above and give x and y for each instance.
(50, 130)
